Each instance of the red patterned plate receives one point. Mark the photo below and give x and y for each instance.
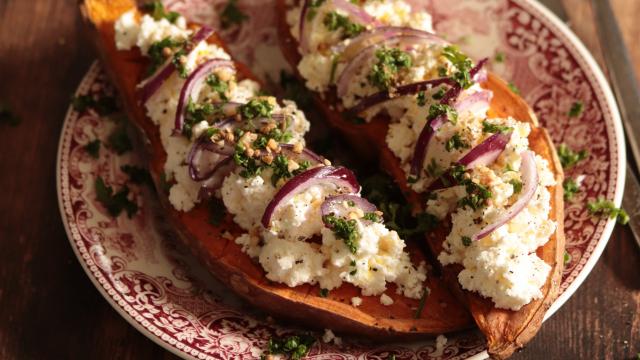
(154, 283)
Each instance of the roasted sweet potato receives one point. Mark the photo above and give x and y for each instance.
(505, 330)
(226, 260)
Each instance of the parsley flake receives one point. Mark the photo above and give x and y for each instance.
(462, 63)
(104, 105)
(114, 203)
(436, 110)
(232, 15)
(455, 142)
(294, 346)
(488, 127)
(93, 148)
(570, 188)
(568, 157)
(607, 208)
(119, 141)
(389, 63)
(137, 175)
(344, 229)
(576, 109)
(334, 21)
(466, 241)
(157, 11)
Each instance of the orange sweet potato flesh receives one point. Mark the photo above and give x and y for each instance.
(505, 330)
(225, 259)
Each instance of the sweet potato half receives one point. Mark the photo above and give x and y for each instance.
(505, 330)
(225, 259)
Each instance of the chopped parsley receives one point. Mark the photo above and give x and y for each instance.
(568, 157)
(179, 61)
(570, 188)
(576, 109)
(324, 292)
(499, 57)
(334, 66)
(567, 257)
(488, 127)
(517, 186)
(344, 229)
(439, 94)
(157, 11)
(421, 98)
(156, 52)
(455, 142)
(334, 21)
(436, 110)
(217, 211)
(250, 166)
(196, 113)
(390, 62)
(466, 241)
(119, 141)
(114, 203)
(295, 347)
(218, 86)
(104, 105)
(477, 195)
(93, 148)
(607, 208)
(371, 216)
(433, 169)
(256, 108)
(463, 66)
(280, 167)
(514, 88)
(397, 213)
(7, 116)
(137, 175)
(312, 10)
(423, 300)
(232, 15)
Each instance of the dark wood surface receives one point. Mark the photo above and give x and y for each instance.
(50, 309)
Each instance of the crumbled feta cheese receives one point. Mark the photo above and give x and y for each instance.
(386, 300)
(246, 198)
(291, 262)
(127, 30)
(441, 342)
(356, 301)
(329, 336)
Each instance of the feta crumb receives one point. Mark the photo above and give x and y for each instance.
(329, 336)
(441, 341)
(356, 301)
(386, 300)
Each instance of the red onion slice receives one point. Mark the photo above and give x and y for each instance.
(529, 178)
(340, 177)
(423, 143)
(193, 85)
(403, 90)
(476, 103)
(148, 87)
(334, 205)
(204, 157)
(487, 151)
(209, 186)
(382, 33)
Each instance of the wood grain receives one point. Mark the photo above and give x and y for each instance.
(49, 308)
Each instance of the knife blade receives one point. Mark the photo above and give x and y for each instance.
(621, 73)
(631, 199)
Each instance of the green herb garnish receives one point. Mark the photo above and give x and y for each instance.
(514, 88)
(567, 257)
(576, 109)
(324, 292)
(334, 21)
(570, 188)
(436, 110)
(294, 346)
(256, 108)
(371, 216)
(488, 127)
(390, 62)
(104, 105)
(607, 208)
(114, 203)
(119, 141)
(344, 229)
(280, 167)
(423, 300)
(137, 175)
(421, 98)
(232, 15)
(433, 169)
(312, 10)
(455, 142)
(439, 94)
(568, 157)
(462, 63)
(499, 57)
(466, 241)
(93, 148)
(157, 11)
(156, 53)
(477, 195)
(517, 186)
(218, 86)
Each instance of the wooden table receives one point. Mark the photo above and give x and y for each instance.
(49, 308)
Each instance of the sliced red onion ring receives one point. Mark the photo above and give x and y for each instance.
(209, 186)
(346, 76)
(334, 205)
(340, 177)
(529, 178)
(380, 34)
(423, 143)
(487, 151)
(148, 87)
(204, 157)
(403, 90)
(193, 85)
(476, 103)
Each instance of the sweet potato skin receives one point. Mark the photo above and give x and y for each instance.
(225, 259)
(506, 331)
